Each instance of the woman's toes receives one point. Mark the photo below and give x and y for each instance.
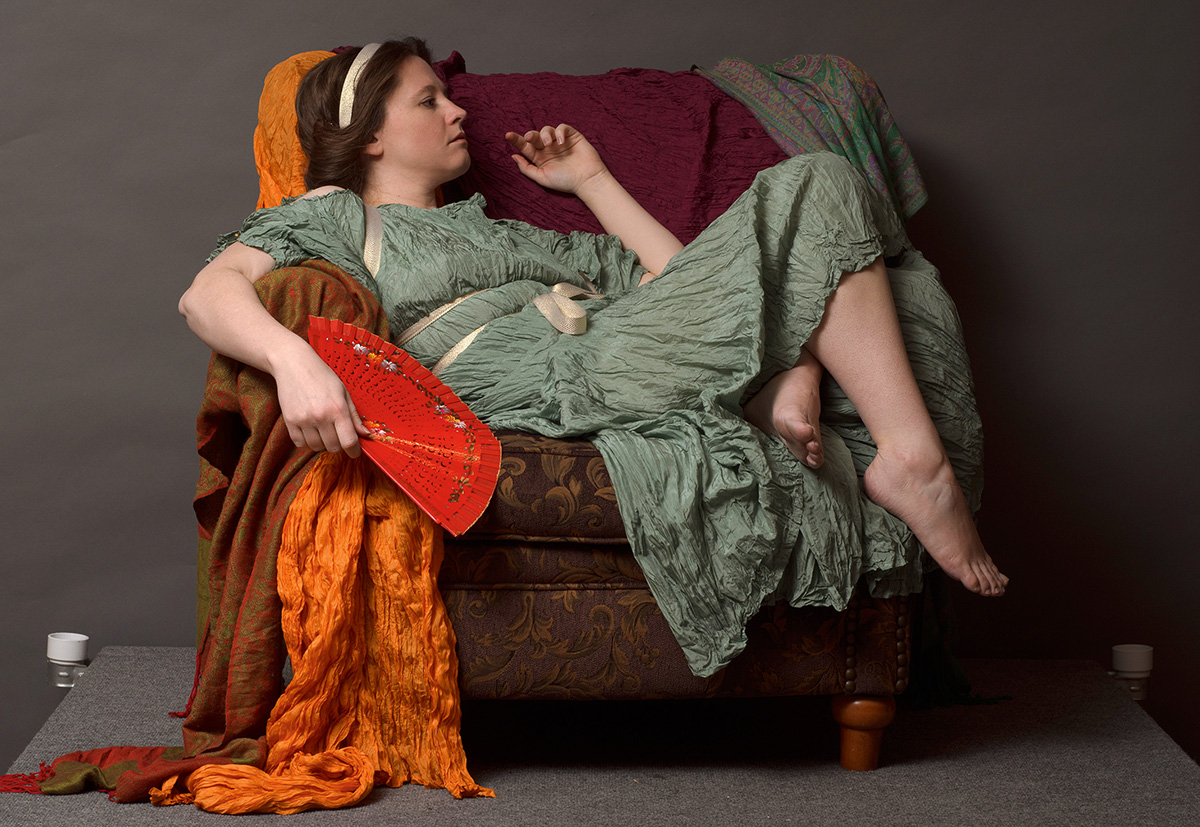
(815, 455)
(997, 583)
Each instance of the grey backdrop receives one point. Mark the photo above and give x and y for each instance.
(1057, 140)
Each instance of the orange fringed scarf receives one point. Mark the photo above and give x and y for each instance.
(277, 154)
(374, 699)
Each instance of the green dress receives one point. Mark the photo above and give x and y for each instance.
(721, 517)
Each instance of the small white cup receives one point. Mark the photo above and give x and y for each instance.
(66, 647)
(1133, 660)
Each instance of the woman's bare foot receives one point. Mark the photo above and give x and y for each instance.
(919, 487)
(789, 406)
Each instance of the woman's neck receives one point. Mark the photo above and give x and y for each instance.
(400, 191)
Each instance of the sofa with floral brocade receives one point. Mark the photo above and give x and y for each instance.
(547, 601)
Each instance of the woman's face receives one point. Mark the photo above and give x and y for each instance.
(422, 135)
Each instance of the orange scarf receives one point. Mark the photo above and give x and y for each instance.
(277, 154)
(374, 699)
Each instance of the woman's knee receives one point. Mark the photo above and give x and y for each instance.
(823, 165)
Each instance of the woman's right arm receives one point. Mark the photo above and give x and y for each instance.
(223, 309)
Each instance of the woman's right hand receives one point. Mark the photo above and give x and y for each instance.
(223, 309)
(315, 405)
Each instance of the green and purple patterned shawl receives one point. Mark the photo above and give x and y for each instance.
(811, 103)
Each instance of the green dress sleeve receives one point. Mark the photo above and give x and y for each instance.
(600, 258)
(329, 227)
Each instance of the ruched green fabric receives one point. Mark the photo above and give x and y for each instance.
(721, 517)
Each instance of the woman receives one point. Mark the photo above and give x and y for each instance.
(788, 283)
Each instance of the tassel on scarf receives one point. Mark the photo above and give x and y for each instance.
(24, 782)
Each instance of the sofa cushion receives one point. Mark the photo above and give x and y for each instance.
(550, 490)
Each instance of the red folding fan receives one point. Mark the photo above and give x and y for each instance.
(422, 435)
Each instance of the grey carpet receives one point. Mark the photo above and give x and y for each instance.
(1069, 748)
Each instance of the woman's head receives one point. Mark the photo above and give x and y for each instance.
(337, 155)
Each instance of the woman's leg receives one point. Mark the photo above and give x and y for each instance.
(860, 344)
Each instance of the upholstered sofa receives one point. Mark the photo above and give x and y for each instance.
(546, 598)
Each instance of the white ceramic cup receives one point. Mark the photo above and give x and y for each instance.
(66, 647)
(1133, 659)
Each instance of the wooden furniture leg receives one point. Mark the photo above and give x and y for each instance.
(862, 719)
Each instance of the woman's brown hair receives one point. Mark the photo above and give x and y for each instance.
(335, 155)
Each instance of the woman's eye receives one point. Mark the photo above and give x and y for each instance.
(428, 102)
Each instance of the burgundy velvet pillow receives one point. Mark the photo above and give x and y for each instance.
(683, 148)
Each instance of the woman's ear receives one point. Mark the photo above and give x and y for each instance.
(375, 147)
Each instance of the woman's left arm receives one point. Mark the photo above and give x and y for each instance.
(561, 158)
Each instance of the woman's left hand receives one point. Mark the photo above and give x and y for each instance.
(557, 157)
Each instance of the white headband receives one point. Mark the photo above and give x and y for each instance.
(350, 84)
